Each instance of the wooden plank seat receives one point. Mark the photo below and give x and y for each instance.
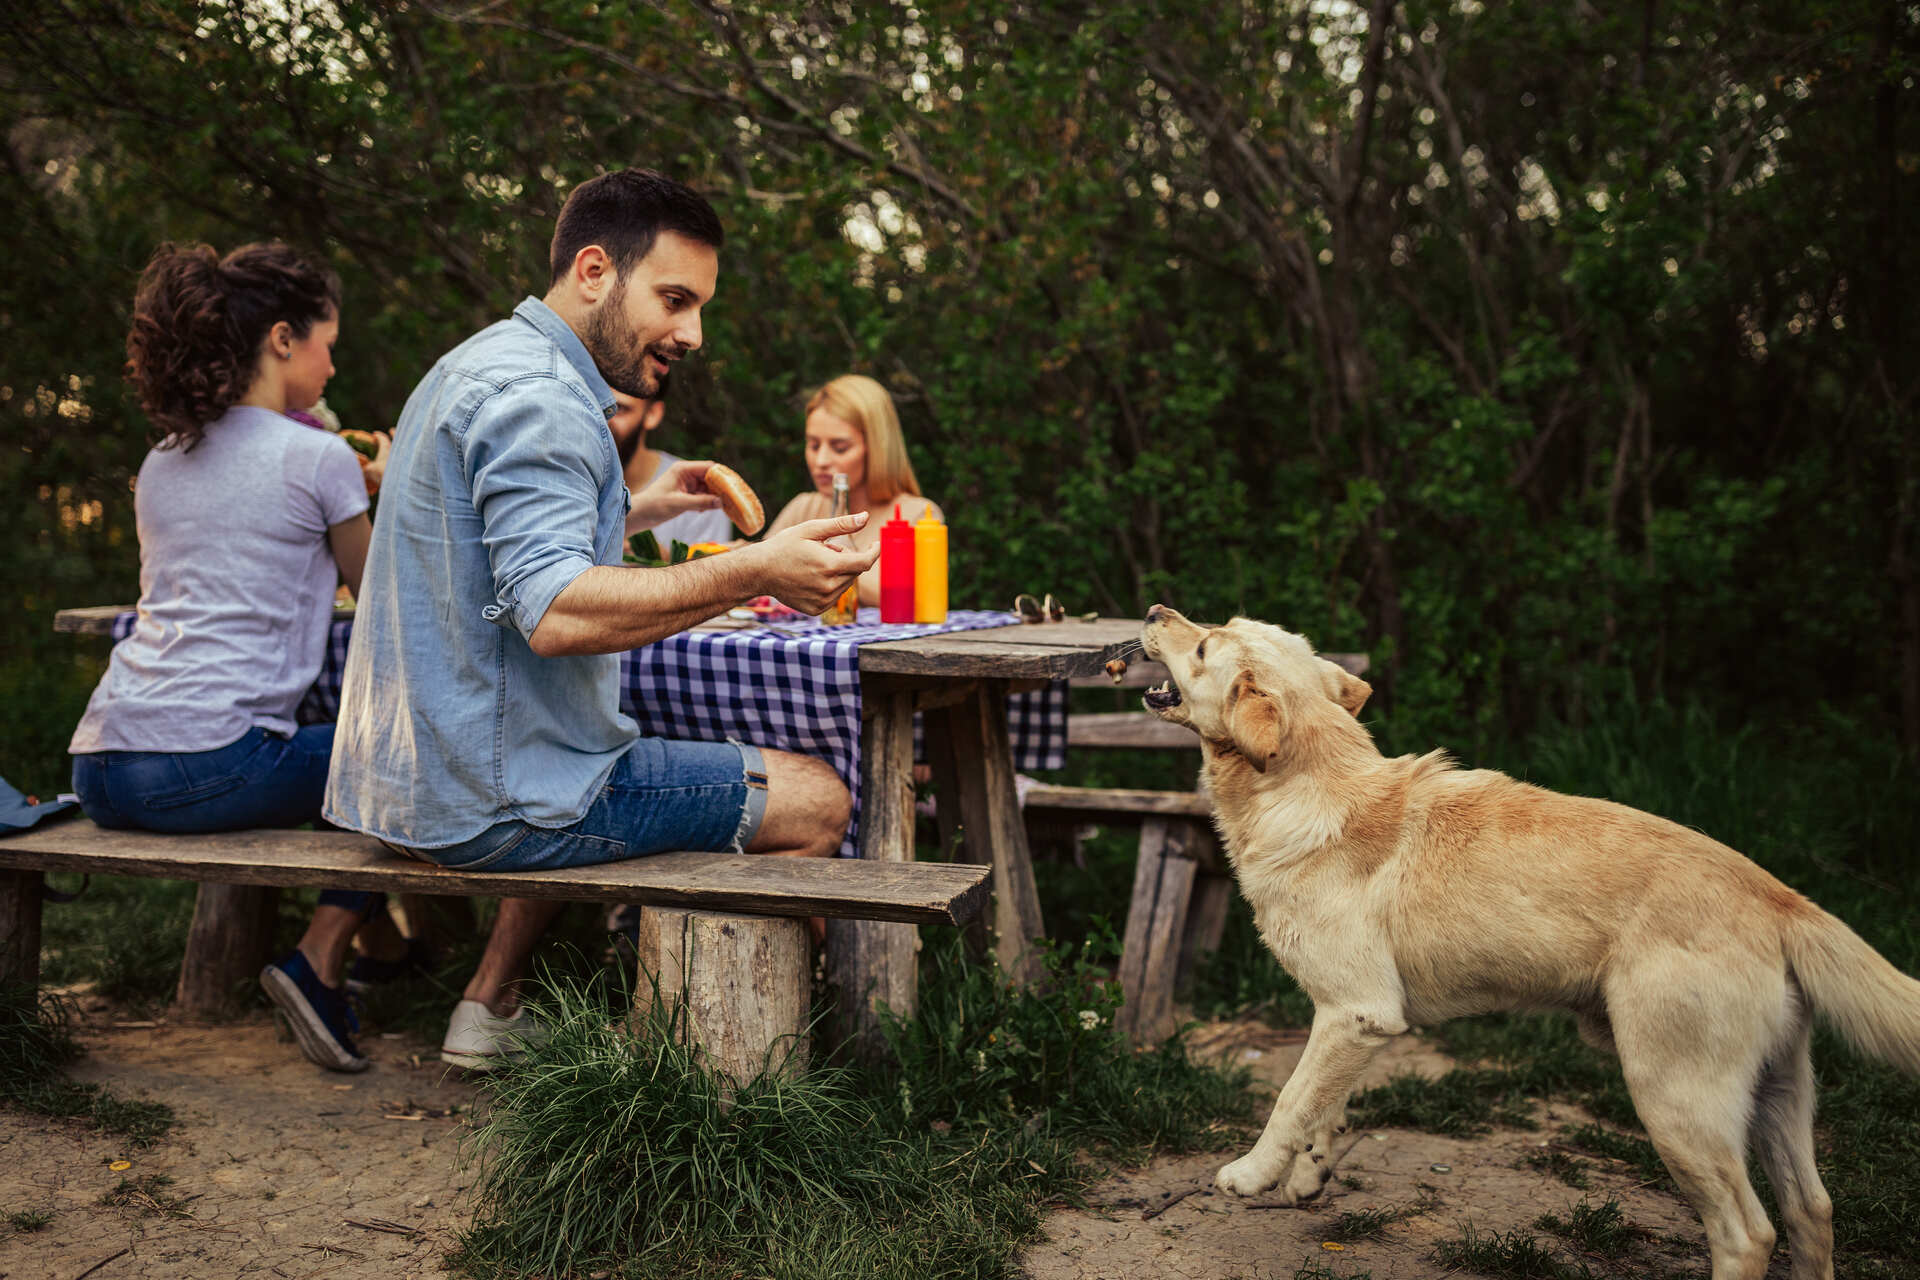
(724, 931)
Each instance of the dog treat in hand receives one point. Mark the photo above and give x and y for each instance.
(1117, 670)
(737, 498)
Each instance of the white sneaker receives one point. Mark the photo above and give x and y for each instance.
(479, 1040)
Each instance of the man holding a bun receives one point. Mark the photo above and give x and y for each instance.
(479, 722)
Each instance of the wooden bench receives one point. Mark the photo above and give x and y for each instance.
(1182, 886)
(1182, 890)
(724, 932)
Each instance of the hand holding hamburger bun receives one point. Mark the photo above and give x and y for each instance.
(737, 498)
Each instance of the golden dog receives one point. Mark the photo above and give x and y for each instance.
(1405, 892)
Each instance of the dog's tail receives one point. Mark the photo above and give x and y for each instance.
(1853, 987)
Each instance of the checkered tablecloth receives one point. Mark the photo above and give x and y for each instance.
(794, 689)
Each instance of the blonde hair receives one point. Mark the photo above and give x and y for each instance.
(859, 400)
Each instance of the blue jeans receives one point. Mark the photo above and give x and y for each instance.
(259, 780)
(662, 795)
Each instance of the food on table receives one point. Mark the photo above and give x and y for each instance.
(737, 498)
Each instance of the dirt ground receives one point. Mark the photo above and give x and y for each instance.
(1439, 1183)
(279, 1169)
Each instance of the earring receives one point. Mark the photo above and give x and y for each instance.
(286, 355)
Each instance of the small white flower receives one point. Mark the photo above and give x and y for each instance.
(1089, 1019)
(979, 1061)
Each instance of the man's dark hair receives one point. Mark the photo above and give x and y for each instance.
(624, 213)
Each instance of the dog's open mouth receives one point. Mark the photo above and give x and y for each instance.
(1165, 694)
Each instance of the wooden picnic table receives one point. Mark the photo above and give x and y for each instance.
(959, 681)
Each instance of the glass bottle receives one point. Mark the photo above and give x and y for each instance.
(846, 608)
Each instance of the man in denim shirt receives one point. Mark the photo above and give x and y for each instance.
(479, 718)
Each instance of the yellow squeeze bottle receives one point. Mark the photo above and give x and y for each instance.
(929, 569)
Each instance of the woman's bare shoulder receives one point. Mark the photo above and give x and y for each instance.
(802, 506)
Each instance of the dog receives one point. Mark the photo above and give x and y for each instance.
(1404, 892)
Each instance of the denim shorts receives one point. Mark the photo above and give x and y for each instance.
(662, 795)
(261, 779)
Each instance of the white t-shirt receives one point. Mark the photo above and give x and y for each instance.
(236, 586)
(694, 526)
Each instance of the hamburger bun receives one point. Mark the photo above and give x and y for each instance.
(737, 498)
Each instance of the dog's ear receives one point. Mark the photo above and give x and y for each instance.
(1345, 688)
(1253, 722)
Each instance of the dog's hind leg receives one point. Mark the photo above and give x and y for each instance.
(1691, 1045)
(1783, 1131)
(1311, 1104)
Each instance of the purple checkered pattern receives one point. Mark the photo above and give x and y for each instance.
(795, 689)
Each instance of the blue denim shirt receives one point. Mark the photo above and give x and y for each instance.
(503, 487)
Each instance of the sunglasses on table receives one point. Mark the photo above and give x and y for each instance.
(1032, 609)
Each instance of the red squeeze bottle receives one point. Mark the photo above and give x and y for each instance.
(896, 569)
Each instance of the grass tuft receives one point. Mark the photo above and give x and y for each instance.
(1598, 1229)
(148, 1196)
(1463, 1103)
(36, 1044)
(617, 1150)
(1567, 1168)
(29, 1220)
(1507, 1253)
(1637, 1153)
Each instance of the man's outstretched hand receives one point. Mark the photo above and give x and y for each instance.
(808, 566)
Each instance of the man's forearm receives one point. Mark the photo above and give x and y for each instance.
(611, 607)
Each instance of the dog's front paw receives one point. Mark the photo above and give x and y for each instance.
(1247, 1176)
(1309, 1176)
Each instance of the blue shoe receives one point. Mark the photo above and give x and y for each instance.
(366, 972)
(321, 1020)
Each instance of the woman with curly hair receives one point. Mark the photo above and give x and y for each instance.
(248, 522)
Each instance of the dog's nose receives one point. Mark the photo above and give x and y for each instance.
(1154, 612)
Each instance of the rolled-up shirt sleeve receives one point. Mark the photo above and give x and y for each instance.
(533, 467)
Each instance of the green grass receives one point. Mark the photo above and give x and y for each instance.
(1597, 1229)
(613, 1152)
(1514, 1254)
(36, 1045)
(1636, 1153)
(27, 1220)
(1560, 1165)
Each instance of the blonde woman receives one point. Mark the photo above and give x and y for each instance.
(853, 430)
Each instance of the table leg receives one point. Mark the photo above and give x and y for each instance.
(872, 963)
(994, 833)
(230, 940)
(941, 762)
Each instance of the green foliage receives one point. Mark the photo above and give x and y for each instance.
(1572, 360)
(983, 1052)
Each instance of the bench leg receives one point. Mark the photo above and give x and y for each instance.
(869, 963)
(1206, 921)
(230, 941)
(742, 982)
(1156, 919)
(20, 928)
